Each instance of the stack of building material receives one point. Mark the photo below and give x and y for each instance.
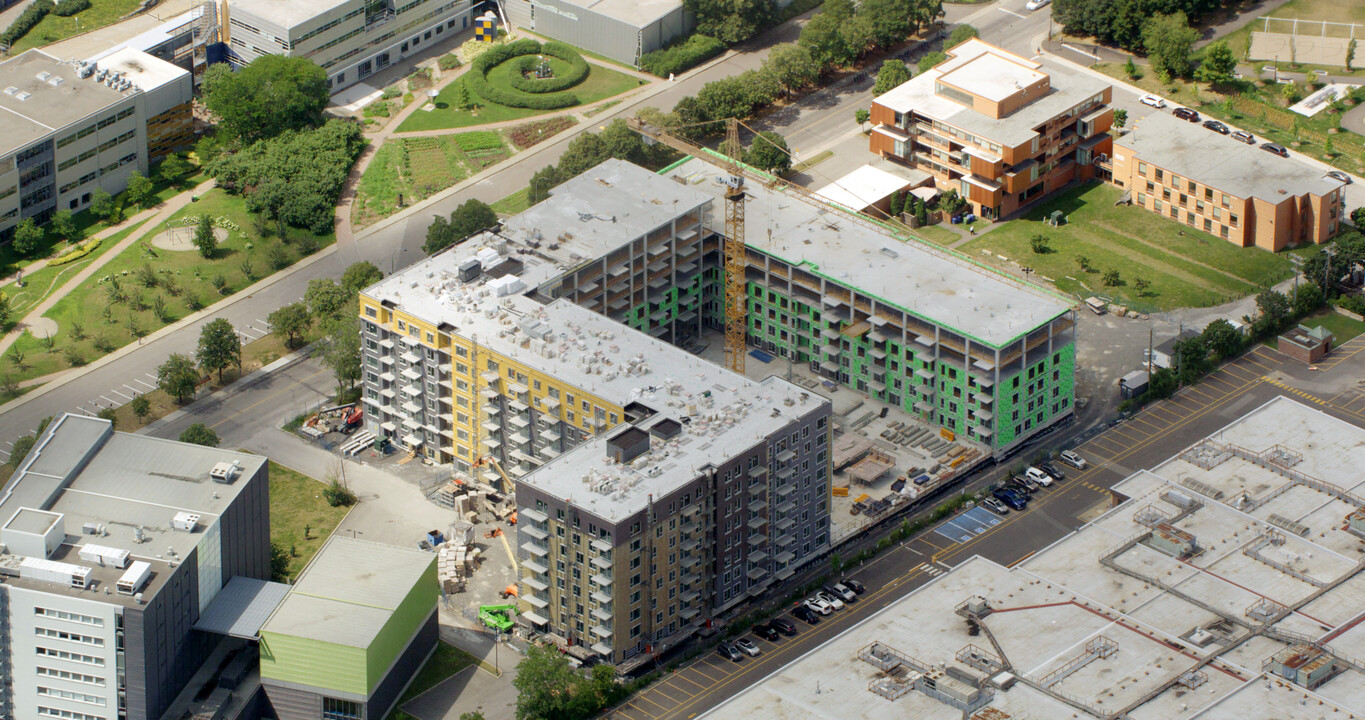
(848, 449)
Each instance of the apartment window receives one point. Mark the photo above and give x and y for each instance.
(69, 616)
(1227, 201)
(338, 709)
(1142, 169)
(65, 714)
(69, 695)
(68, 636)
(1232, 219)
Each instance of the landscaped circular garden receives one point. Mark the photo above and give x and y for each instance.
(527, 74)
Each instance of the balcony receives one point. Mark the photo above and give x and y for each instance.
(534, 567)
(601, 581)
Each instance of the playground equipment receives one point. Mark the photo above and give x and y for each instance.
(498, 617)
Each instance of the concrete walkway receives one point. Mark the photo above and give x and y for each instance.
(151, 219)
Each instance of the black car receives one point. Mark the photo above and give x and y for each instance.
(1010, 497)
(1019, 485)
(1186, 114)
(806, 615)
(1052, 470)
(853, 585)
(1217, 127)
(767, 632)
(729, 652)
(1274, 149)
(783, 626)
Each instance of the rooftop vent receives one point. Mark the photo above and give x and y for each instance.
(185, 522)
(44, 75)
(55, 81)
(628, 445)
(666, 428)
(224, 472)
(23, 95)
(11, 90)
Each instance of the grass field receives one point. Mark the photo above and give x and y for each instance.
(53, 28)
(1342, 327)
(40, 284)
(937, 235)
(1185, 268)
(600, 84)
(445, 661)
(296, 505)
(113, 325)
(418, 167)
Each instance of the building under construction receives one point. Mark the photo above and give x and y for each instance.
(1225, 584)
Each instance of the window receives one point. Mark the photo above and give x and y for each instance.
(68, 675)
(72, 617)
(69, 695)
(72, 637)
(336, 709)
(65, 714)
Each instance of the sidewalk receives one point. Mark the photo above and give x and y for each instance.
(151, 219)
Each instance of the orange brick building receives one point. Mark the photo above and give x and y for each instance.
(1224, 187)
(1000, 129)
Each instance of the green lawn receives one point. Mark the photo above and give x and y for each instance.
(600, 84)
(418, 167)
(937, 235)
(40, 284)
(296, 504)
(1342, 327)
(53, 28)
(114, 324)
(445, 661)
(1185, 268)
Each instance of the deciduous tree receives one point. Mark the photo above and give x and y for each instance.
(961, 33)
(139, 189)
(325, 298)
(178, 377)
(205, 239)
(1217, 65)
(361, 275)
(271, 94)
(27, 237)
(219, 347)
(1169, 40)
(292, 320)
(200, 434)
(769, 152)
(64, 224)
(730, 21)
(892, 73)
(792, 66)
(343, 351)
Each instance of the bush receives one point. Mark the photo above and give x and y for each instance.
(67, 8)
(681, 56)
(75, 253)
(31, 16)
(578, 69)
(448, 62)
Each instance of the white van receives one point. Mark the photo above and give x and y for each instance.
(1038, 476)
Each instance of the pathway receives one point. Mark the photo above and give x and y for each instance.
(152, 219)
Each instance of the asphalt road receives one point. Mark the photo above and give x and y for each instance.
(1145, 440)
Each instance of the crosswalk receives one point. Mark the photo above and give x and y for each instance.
(930, 568)
(1293, 391)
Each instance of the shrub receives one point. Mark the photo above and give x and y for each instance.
(391, 92)
(448, 62)
(67, 8)
(681, 56)
(75, 253)
(31, 16)
(578, 69)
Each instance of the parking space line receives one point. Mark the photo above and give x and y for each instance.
(140, 381)
(684, 678)
(645, 697)
(633, 705)
(125, 397)
(697, 669)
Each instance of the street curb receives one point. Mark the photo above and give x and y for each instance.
(171, 329)
(239, 385)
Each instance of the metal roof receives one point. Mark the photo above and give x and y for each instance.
(242, 607)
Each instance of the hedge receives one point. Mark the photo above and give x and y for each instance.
(67, 8)
(477, 79)
(31, 16)
(682, 56)
(75, 253)
(578, 69)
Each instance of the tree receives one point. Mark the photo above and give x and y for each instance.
(1307, 298)
(542, 182)
(325, 298)
(769, 152)
(219, 347)
(1039, 243)
(897, 204)
(141, 406)
(139, 189)
(4, 311)
(1328, 149)
(792, 66)
(473, 715)
(1274, 306)
(1192, 359)
(205, 238)
(1169, 40)
(1112, 278)
(1223, 340)
(1120, 117)
(622, 143)
(960, 34)
(730, 21)
(279, 562)
(200, 434)
(1350, 53)
(361, 275)
(465, 220)
(109, 413)
(292, 320)
(177, 377)
(103, 205)
(64, 224)
(343, 351)
(1130, 69)
(544, 684)
(823, 36)
(1141, 285)
(271, 94)
(462, 99)
(27, 236)
(1218, 64)
(891, 74)
(174, 168)
(931, 59)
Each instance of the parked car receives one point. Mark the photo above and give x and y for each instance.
(1051, 469)
(783, 626)
(1339, 175)
(1186, 114)
(841, 592)
(1152, 100)
(729, 652)
(1035, 4)
(853, 585)
(1244, 136)
(1038, 476)
(819, 605)
(748, 647)
(833, 601)
(1274, 149)
(1010, 497)
(767, 632)
(996, 506)
(1217, 127)
(1024, 483)
(806, 615)
(1073, 459)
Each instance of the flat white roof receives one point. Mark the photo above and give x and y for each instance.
(143, 70)
(992, 77)
(863, 187)
(1164, 616)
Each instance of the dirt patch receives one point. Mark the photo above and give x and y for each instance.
(182, 239)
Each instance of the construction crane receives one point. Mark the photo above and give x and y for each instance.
(736, 253)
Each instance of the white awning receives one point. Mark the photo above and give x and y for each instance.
(533, 618)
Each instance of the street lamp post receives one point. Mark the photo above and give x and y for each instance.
(535, 194)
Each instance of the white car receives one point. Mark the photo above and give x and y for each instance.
(834, 602)
(817, 604)
(1035, 4)
(1152, 100)
(1072, 459)
(1038, 476)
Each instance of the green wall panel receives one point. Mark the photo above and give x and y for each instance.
(406, 619)
(314, 662)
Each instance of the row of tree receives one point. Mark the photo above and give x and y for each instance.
(841, 33)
